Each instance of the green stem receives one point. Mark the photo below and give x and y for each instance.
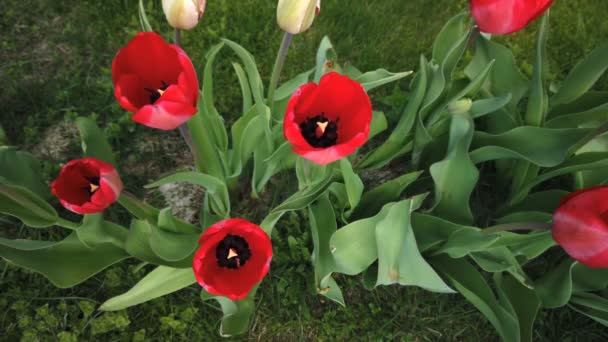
(507, 227)
(278, 66)
(67, 224)
(177, 37)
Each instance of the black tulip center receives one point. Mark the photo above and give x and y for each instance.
(232, 252)
(155, 94)
(93, 185)
(319, 131)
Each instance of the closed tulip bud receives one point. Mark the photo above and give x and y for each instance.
(460, 107)
(183, 14)
(296, 16)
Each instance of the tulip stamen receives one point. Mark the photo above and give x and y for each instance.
(93, 185)
(232, 252)
(155, 94)
(319, 131)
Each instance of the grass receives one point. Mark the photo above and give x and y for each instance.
(55, 61)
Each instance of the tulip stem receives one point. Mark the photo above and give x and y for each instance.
(278, 66)
(67, 224)
(508, 227)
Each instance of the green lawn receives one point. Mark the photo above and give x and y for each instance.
(55, 59)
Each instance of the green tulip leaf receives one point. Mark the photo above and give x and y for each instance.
(244, 84)
(65, 263)
(144, 243)
(143, 19)
(452, 198)
(354, 185)
(583, 76)
(237, 315)
(326, 56)
(253, 75)
(524, 302)
(94, 143)
(161, 281)
(25, 205)
(95, 230)
(380, 77)
(22, 169)
(471, 284)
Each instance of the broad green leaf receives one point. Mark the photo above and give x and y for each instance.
(263, 150)
(94, 143)
(487, 106)
(215, 187)
(541, 146)
(323, 226)
(471, 89)
(537, 98)
(244, 83)
(388, 150)
(297, 201)
(579, 118)
(237, 315)
(466, 240)
(543, 201)
(373, 200)
(585, 278)
(499, 259)
(253, 75)
(380, 77)
(167, 222)
(354, 185)
(597, 315)
(144, 24)
(399, 260)
(213, 121)
(555, 287)
(523, 300)
(378, 125)
(529, 246)
(288, 88)
(171, 246)
(354, 246)
(448, 37)
(139, 245)
(282, 158)
(452, 198)
(25, 205)
(582, 77)
(22, 169)
(65, 263)
(325, 54)
(161, 281)
(585, 102)
(432, 231)
(472, 285)
(591, 301)
(505, 78)
(584, 161)
(246, 133)
(95, 230)
(351, 71)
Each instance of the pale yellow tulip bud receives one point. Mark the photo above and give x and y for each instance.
(183, 14)
(296, 16)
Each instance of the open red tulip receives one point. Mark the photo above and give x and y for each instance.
(233, 256)
(87, 185)
(156, 81)
(506, 16)
(580, 226)
(328, 121)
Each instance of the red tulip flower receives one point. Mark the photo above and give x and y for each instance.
(328, 121)
(580, 226)
(87, 186)
(156, 81)
(233, 256)
(506, 16)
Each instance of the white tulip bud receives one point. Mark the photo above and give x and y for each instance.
(296, 16)
(183, 14)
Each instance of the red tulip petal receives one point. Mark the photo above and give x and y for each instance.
(580, 227)
(128, 92)
(164, 115)
(330, 154)
(506, 16)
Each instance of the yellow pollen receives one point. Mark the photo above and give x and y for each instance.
(321, 127)
(232, 253)
(93, 187)
(160, 92)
